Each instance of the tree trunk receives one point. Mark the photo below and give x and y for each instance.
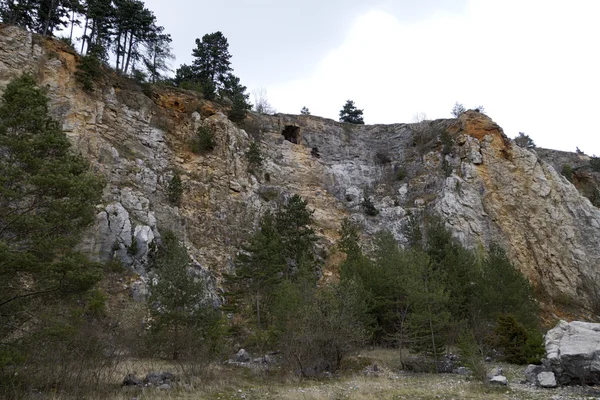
(154, 68)
(258, 309)
(119, 48)
(48, 16)
(72, 25)
(129, 51)
(83, 38)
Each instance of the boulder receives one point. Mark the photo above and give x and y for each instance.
(573, 352)
(153, 378)
(242, 356)
(159, 378)
(499, 380)
(131, 380)
(546, 380)
(532, 371)
(496, 371)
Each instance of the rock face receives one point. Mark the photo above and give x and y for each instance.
(464, 169)
(573, 352)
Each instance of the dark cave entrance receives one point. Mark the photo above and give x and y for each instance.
(291, 133)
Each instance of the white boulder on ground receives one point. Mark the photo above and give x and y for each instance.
(496, 378)
(499, 380)
(546, 380)
(573, 352)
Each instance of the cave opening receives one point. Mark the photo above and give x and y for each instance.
(291, 133)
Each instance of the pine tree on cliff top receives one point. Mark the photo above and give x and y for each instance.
(349, 113)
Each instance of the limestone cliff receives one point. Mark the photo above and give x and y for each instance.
(466, 170)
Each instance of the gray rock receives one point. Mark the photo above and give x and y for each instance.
(546, 380)
(167, 376)
(131, 380)
(532, 371)
(499, 380)
(462, 371)
(153, 378)
(497, 371)
(573, 352)
(164, 386)
(242, 356)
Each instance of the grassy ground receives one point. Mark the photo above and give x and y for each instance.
(359, 382)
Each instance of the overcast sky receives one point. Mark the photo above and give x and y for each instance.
(533, 64)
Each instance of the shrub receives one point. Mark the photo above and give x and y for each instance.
(524, 141)
(305, 111)
(519, 345)
(369, 207)
(401, 173)
(254, 156)
(204, 141)
(471, 354)
(321, 330)
(567, 171)
(175, 190)
(595, 163)
(88, 72)
(383, 157)
(458, 109)
(446, 140)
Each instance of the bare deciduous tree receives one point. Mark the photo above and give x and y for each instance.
(261, 102)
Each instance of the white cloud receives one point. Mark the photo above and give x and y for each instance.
(532, 64)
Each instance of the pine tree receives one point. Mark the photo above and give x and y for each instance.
(349, 113)
(99, 21)
(305, 111)
(504, 290)
(211, 64)
(281, 250)
(182, 316)
(47, 198)
(232, 89)
(261, 265)
(524, 141)
(158, 54)
(429, 317)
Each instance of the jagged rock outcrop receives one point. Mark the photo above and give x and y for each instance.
(465, 170)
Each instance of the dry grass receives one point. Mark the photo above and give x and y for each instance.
(230, 382)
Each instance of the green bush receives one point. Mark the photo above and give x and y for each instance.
(401, 173)
(446, 140)
(204, 141)
(254, 156)
(567, 171)
(175, 190)
(595, 163)
(519, 345)
(369, 207)
(323, 328)
(88, 72)
(471, 355)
